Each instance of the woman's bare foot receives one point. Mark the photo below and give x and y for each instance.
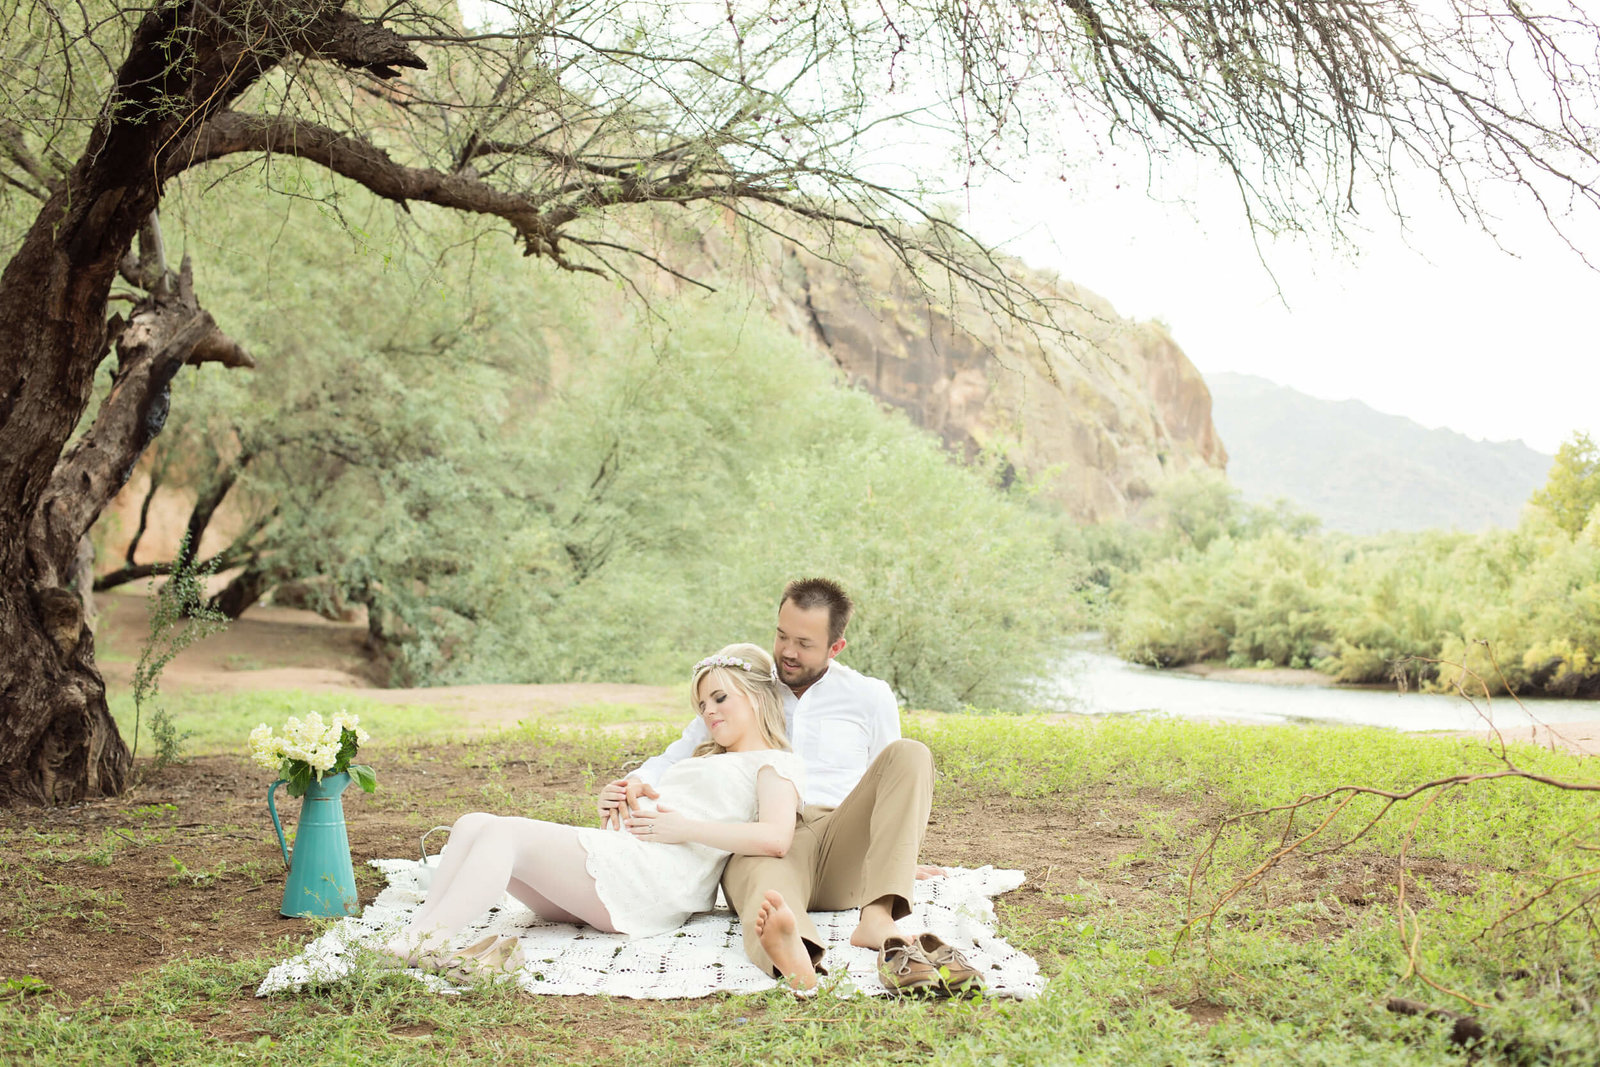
(776, 929)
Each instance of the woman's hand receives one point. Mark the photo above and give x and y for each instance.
(618, 798)
(664, 825)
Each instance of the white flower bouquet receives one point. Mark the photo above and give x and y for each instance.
(309, 749)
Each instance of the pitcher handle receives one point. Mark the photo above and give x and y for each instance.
(427, 835)
(276, 825)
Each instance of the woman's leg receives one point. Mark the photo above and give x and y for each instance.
(496, 853)
(541, 905)
(556, 884)
(462, 836)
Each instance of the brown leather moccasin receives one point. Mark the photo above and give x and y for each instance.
(905, 970)
(956, 975)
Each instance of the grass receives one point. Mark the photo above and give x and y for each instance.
(97, 849)
(1291, 973)
(41, 901)
(1242, 768)
(587, 715)
(217, 722)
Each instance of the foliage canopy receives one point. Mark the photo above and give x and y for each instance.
(1573, 491)
(565, 122)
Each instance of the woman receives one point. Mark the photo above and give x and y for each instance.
(739, 794)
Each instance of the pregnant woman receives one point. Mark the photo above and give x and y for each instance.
(738, 795)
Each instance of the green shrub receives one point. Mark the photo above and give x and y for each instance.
(1517, 608)
(690, 478)
(526, 477)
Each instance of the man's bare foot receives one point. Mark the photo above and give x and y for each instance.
(776, 929)
(876, 925)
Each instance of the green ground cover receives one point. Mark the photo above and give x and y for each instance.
(1294, 971)
(214, 722)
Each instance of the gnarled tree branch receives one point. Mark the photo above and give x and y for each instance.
(166, 330)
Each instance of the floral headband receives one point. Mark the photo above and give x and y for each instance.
(732, 661)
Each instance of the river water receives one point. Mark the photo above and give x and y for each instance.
(1097, 683)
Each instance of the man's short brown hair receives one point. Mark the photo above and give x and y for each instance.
(810, 593)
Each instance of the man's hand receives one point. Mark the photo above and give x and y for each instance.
(924, 872)
(612, 796)
(619, 799)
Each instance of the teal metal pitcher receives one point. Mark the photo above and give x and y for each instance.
(321, 880)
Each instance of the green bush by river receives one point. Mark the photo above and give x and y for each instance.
(1223, 581)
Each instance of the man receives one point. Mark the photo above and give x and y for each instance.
(865, 811)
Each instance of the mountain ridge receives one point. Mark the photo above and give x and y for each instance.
(1364, 471)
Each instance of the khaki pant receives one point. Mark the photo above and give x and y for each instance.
(844, 857)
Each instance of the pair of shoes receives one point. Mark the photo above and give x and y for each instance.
(926, 966)
(905, 970)
(420, 956)
(493, 959)
(956, 975)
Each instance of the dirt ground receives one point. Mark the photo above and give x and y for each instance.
(187, 863)
(194, 867)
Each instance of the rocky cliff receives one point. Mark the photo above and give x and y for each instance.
(1099, 411)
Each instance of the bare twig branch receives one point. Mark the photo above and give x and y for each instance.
(1201, 918)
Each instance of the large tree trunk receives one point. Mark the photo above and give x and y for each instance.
(185, 63)
(247, 587)
(58, 743)
(58, 740)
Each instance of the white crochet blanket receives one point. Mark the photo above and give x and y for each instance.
(705, 956)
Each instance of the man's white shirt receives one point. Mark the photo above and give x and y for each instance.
(838, 728)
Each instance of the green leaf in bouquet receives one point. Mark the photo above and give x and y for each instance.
(299, 777)
(364, 776)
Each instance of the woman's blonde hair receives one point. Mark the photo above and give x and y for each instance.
(750, 670)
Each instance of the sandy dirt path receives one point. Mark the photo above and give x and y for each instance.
(284, 648)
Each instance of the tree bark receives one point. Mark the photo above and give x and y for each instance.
(58, 740)
(185, 63)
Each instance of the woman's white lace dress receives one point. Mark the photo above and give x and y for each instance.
(650, 888)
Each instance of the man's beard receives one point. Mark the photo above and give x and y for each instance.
(802, 682)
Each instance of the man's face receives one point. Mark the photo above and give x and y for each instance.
(801, 648)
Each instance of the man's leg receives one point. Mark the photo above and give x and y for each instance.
(747, 880)
(871, 840)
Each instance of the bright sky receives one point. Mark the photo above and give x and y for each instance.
(1450, 331)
